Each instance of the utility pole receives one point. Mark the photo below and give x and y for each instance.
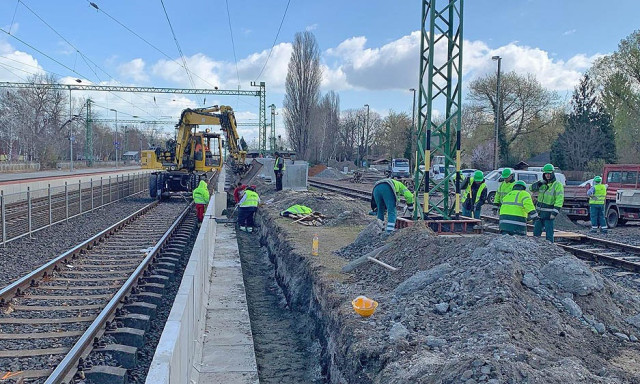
(70, 136)
(366, 124)
(88, 141)
(272, 138)
(413, 120)
(497, 114)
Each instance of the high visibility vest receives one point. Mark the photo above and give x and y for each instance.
(516, 207)
(251, 199)
(277, 162)
(398, 188)
(298, 209)
(550, 199)
(599, 195)
(504, 188)
(467, 192)
(201, 194)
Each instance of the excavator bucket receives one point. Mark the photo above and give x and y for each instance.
(250, 174)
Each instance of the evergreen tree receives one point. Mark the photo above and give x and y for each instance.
(588, 135)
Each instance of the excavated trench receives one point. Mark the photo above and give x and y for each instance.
(287, 343)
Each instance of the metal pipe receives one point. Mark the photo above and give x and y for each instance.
(4, 221)
(91, 186)
(101, 192)
(66, 201)
(50, 207)
(29, 209)
(80, 195)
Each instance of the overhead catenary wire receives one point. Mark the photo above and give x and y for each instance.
(274, 40)
(14, 16)
(233, 44)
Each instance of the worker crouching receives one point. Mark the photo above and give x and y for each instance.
(515, 209)
(384, 198)
(201, 199)
(474, 195)
(247, 207)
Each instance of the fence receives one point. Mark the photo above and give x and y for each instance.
(24, 213)
(9, 167)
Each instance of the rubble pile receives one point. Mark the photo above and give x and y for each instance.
(330, 173)
(487, 309)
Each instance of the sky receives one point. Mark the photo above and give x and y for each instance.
(369, 49)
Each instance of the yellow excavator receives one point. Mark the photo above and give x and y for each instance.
(186, 159)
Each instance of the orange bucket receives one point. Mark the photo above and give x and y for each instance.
(364, 306)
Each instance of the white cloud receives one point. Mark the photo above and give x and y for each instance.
(16, 66)
(134, 70)
(569, 32)
(311, 27)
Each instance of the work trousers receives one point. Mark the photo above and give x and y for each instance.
(385, 199)
(245, 216)
(200, 208)
(278, 180)
(548, 228)
(467, 212)
(596, 213)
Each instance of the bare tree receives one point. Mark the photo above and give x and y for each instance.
(329, 123)
(302, 91)
(526, 107)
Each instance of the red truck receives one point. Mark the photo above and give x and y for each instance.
(618, 210)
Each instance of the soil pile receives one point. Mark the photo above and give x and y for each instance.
(563, 223)
(330, 173)
(316, 169)
(488, 309)
(340, 165)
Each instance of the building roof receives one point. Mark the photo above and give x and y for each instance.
(130, 153)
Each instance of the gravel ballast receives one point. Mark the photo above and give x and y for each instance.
(24, 255)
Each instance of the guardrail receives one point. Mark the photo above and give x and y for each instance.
(24, 213)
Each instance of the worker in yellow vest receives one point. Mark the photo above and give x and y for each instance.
(474, 195)
(247, 207)
(597, 199)
(516, 208)
(506, 185)
(278, 169)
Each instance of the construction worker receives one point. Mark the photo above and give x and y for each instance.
(507, 183)
(549, 202)
(597, 197)
(517, 206)
(248, 206)
(236, 192)
(201, 199)
(278, 168)
(474, 195)
(384, 198)
(297, 209)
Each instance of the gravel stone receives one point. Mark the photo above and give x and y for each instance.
(600, 327)
(634, 320)
(422, 279)
(467, 374)
(572, 307)
(572, 275)
(530, 280)
(622, 336)
(435, 342)
(398, 332)
(442, 308)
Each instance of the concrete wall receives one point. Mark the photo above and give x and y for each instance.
(12, 167)
(294, 177)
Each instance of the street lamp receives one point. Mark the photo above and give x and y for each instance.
(497, 114)
(413, 117)
(71, 130)
(115, 142)
(366, 124)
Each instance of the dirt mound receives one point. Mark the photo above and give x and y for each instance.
(330, 173)
(340, 165)
(316, 169)
(563, 223)
(491, 309)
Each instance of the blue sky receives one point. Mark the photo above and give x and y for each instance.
(369, 48)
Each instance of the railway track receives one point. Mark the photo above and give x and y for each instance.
(42, 208)
(588, 248)
(52, 318)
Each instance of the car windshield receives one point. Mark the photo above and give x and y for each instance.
(402, 163)
(493, 175)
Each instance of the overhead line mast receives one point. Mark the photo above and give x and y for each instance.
(440, 85)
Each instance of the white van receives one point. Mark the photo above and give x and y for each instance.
(399, 168)
(529, 177)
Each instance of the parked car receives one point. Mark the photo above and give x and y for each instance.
(468, 172)
(492, 180)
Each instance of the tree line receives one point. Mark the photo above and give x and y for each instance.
(598, 125)
(36, 123)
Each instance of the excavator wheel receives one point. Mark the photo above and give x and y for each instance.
(193, 181)
(160, 186)
(153, 186)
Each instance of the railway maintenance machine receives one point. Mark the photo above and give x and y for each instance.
(186, 159)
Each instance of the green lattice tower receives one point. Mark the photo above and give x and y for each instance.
(262, 118)
(88, 140)
(272, 137)
(440, 87)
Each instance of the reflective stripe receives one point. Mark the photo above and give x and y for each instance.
(513, 222)
(251, 199)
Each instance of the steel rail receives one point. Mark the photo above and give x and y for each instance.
(70, 361)
(10, 290)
